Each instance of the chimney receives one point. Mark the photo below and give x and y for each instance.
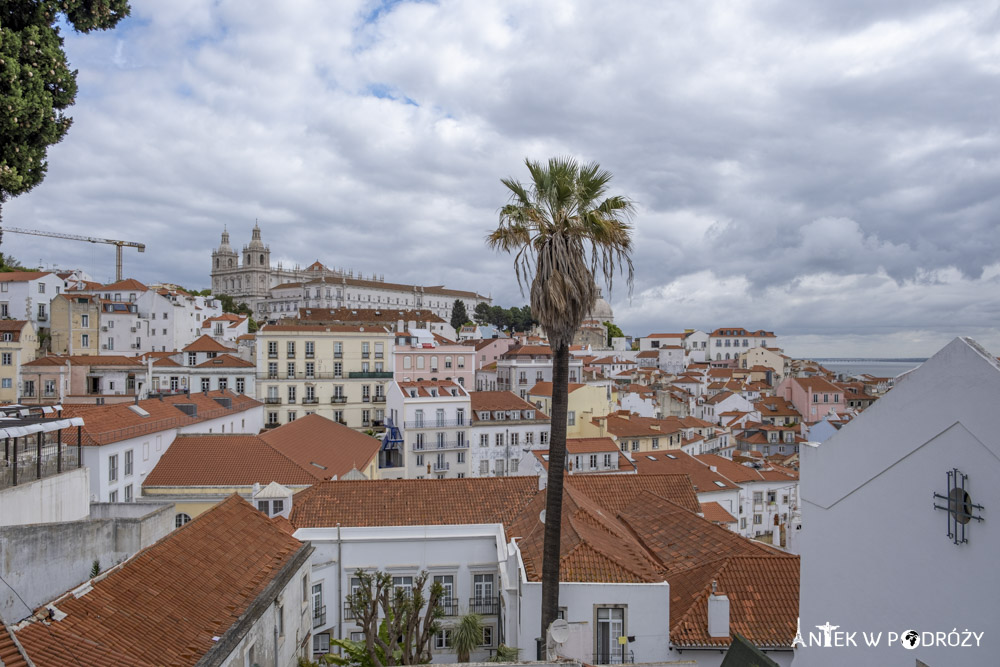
(412, 324)
(399, 326)
(718, 613)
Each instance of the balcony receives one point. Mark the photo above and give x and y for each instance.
(366, 399)
(272, 400)
(338, 399)
(272, 425)
(449, 606)
(310, 400)
(385, 375)
(319, 616)
(484, 606)
(452, 444)
(272, 355)
(443, 466)
(338, 355)
(378, 399)
(348, 613)
(434, 423)
(615, 656)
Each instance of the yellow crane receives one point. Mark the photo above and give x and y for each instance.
(76, 237)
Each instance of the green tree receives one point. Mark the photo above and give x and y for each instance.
(481, 314)
(613, 331)
(36, 83)
(563, 229)
(459, 316)
(409, 617)
(467, 635)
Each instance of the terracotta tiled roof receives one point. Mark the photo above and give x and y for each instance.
(166, 604)
(165, 362)
(676, 461)
(13, 327)
(226, 361)
(105, 424)
(590, 445)
(501, 400)
(423, 388)
(225, 460)
(413, 502)
(623, 425)
(83, 360)
(315, 328)
(648, 354)
(594, 545)
(206, 343)
(531, 350)
(763, 592)
(10, 654)
(126, 285)
(716, 513)
(667, 335)
(322, 446)
(21, 276)
(545, 388)
(616, 492)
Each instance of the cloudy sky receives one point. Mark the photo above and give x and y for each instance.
(827, 171)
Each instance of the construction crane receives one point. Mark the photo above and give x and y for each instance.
(76, 237)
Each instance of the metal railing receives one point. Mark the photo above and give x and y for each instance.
(614, 657)
(484, 606)
(20, 462)
(435, 423)
(338, 399)
(442, 467)
(310, 400)
(348, 612)
(370, 374)
(272, 400)
(319, 616)
(449, 606)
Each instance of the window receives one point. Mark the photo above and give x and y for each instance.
(482, 584)
(85, 321)
(41, 288)
(272, 349)
(7, 383)
(291, 393)
(338, 369)
(571, 418)
(420, 457)
(461, 457)
(206, 384)
(758, 519)
(128, 462)
(128, 493)
(291, 369)
(442, 640)
(241, 385)
(113, 497)
(379, 350)
(223, 383)
(607, 460)
(321, 643)
(291, 416)
(656, 443)
(310, 370)
(310, 349)
(610, 626)
(290, 349)
(484, 468)
(113, 468)
(498, 439)
(85, 340)
(447, 582)
(180, 519)
(543, 437)
(338, 350)
(4, 308)
(593, 461)
(484, 439)
(279, 613)
(192, 358)
(365, 350)
(635, 445)
(7, 358)
(404, 583)
(487, 636)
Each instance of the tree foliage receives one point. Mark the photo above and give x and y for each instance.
(467, 635)
(613, 331)
(36, 83)
(563, 229)
(459, 315)
(398, 624)
(509, 319)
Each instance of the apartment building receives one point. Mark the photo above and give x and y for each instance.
(429, 430)
(523, 366)
(82, 379)
(728, 343)
(337, 371)
(18, 345)
(203, 365)
(27, 295)
(76, 324)
(422, 355)
(504, 427)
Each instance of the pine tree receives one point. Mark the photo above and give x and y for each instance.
(459, 316)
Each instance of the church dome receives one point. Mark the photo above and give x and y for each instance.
(225, 247)
(255, 242)
(602, 310)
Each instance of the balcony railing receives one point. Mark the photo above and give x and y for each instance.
(370, 374)
(434, 423)
(272, 400)
(378, 399)
(616, 656)
(449, 606)
(348, 613)
(272, 425)
(319, 616)
(442, 466)
(338, 399)
(310, 400)
(484, 606)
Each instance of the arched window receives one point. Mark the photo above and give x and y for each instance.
(181, 519)
(262, 260)
(248, 259)
(718, 357)
(216, 262)
(230, 262)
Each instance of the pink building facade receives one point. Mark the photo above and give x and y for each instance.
(419, 358)
(813, 397)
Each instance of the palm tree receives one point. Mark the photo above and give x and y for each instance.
(467, 635)
(562, 228)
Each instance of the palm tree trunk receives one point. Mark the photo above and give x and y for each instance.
(554, 490)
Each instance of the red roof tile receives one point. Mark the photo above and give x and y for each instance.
(166, 604)
(225, 460)
(323, 447)
(206, 343)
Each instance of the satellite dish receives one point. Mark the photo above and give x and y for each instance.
(541, 516)
(559, 631)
